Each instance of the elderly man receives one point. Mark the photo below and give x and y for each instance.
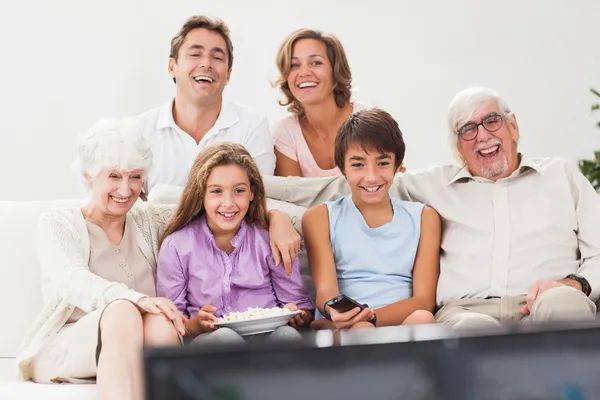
(521, 236)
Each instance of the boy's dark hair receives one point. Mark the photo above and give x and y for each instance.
(372, 128)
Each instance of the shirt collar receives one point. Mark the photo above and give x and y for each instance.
(228, 116)
(165, 116)
(235, 242)
(526, 164)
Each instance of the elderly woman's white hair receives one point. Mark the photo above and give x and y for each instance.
(112, 144)
(463, 105)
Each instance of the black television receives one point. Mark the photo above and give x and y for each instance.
(556, 361)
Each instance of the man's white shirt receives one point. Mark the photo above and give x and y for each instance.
(174, 151)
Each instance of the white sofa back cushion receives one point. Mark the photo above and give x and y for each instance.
(20, 283)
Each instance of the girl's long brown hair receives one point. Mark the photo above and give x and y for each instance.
(191, 203)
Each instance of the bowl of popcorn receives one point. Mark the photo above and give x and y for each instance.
(256, 320)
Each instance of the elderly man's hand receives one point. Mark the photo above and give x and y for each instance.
(285, 240)
(535, 291)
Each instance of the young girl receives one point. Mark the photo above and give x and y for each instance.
(377, 250)
(215, 257)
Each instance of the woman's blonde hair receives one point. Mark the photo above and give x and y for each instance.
(342, 76)
(191, 203)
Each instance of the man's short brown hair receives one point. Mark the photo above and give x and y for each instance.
(202, 22)
(372, 128)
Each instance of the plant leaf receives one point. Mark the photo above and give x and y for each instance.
(595, 92)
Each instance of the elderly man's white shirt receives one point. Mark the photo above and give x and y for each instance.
(174, 151)
(542, 222)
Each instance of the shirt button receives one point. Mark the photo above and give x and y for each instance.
(116, 250)
(128, 274)
(121, 264)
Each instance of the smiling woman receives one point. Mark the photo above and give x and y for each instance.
(99, 263)
(316, 82)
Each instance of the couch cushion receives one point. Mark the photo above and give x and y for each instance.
(20, 286)
(14, 389)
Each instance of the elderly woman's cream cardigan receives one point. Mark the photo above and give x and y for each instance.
(67, 283)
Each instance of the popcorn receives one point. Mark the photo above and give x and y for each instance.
(254, 313)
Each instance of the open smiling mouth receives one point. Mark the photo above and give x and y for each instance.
(120, 200)
(228, 215)
(490, 152)
(371, 189)
(203, 78)
(307, 85)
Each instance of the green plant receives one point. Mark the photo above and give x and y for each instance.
(591, 168)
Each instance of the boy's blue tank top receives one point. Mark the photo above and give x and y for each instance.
(374, 265)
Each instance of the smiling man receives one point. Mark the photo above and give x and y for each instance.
(521, 236)
(200, 63)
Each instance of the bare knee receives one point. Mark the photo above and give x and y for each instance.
(121, 315)
(419, 317)
(159, 330)
(121, 324)
(362, 325)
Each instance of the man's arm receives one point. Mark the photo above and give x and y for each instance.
(587, 208)
(306, 192)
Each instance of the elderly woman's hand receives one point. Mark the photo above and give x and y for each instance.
(156, 305)
(285, 240)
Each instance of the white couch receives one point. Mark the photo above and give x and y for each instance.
(21, 297)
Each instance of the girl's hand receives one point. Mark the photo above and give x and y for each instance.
(304, 318)
(203, 322)
(157, 305)
(344, 320)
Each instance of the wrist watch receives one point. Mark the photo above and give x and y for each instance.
(325, 313)
(585, 285)
(374, 319)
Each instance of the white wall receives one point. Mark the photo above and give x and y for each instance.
(66, 63)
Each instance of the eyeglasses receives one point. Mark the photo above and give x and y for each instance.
(491, 123)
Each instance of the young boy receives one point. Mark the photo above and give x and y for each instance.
(376, 249)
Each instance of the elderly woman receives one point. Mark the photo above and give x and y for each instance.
(99, 264)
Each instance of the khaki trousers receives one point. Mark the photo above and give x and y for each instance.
(557, 304)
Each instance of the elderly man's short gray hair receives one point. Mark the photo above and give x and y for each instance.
(464, 105)
(112, 144)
